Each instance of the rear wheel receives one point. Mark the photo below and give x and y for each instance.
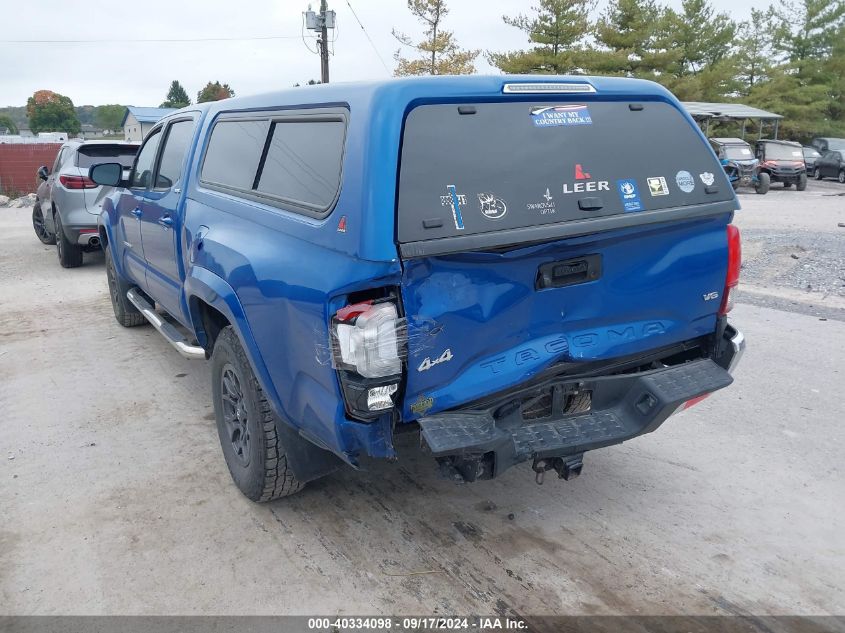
(125, 313)
(802, 182)
(763, 183)
(41, 230)
(70, 255)
(246, 425)
(818, 173)
(841, 176)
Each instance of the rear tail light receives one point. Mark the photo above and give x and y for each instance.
(367, 348)
(367, 341)
(734, 264)
(77, 182)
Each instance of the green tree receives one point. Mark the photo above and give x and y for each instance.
(627, 40)
(557, 29)
(439, 51)
(701, 41)
(834, 68)
(753, 58)
(6, 122)
(214, 91)
(109, 117)
(177, 97)
(807, 30)
(51, 112)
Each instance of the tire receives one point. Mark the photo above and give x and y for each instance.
(763, 183)
(41, 230)
(841, 177)
(818, 173)
(125, 313)
(70, 255)
(246, 425)
(802, 182)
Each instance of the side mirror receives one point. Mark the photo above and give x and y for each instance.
(43, 172)
(108, 174)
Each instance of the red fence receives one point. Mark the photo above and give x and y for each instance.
(19, 162)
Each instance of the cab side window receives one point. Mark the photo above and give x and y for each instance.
(143, 170)
(176, 145)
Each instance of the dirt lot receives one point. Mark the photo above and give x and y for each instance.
(114, 497)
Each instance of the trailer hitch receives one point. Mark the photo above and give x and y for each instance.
(566, 467)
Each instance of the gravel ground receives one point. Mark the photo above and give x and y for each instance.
(793, 249)
(115, 499)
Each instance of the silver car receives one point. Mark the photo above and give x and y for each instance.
(68, 202)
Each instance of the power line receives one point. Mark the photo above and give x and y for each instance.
(125, 41)
(367, 35)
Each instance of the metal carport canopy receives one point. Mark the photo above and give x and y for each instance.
(702, 110)
(727, 111)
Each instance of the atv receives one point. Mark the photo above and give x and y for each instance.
(740, 165)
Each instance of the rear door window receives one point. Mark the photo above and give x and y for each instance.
(492, 167)
(234, 152)
(179, 136)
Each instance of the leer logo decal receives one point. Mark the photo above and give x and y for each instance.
(580, 187)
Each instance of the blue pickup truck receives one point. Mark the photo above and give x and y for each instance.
(520, 269)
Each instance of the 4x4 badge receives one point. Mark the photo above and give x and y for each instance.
(427, 364)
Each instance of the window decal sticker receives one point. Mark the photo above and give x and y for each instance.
(657, 186)
(707, 178)
(550, 116)
(492, 208)
(685, 181)
(630, 194)
(454, 200)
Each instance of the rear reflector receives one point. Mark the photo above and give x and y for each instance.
(77, 182)
(695, 401)
(734, 264)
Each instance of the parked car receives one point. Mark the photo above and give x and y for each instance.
(831, 165)
(68, 203)
(783, 161)
(740, 165)
(810, 156)
(827, 144)
(522, 269)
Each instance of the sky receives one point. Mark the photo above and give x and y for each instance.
(104, 65)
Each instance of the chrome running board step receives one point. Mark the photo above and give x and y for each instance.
(170, 333)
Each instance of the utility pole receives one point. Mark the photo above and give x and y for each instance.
(324, 48)
(321, 22)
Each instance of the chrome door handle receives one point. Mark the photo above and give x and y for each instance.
(137, 212)
(166, 221)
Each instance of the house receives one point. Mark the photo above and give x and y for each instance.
(138, 121)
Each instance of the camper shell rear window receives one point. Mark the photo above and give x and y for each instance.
(475, 169)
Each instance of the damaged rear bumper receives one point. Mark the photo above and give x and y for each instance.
(481, 444)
